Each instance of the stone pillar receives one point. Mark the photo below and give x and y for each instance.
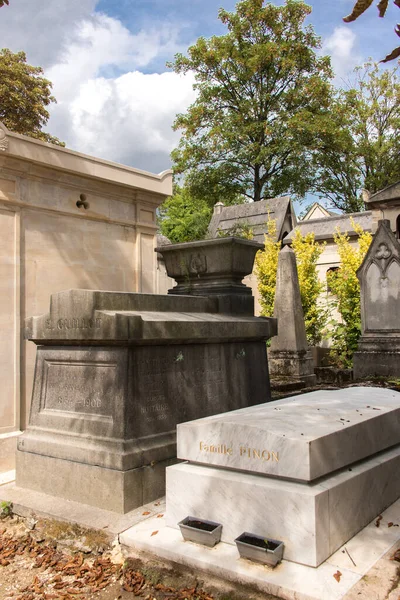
(378, 352)
(289, 355)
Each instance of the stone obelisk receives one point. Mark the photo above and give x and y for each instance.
(289, 354)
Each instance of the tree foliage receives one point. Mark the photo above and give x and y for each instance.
(24, 96)
(183, 218)
(263, 92)
(361, 6)
(307, 252)
(266, 264)
(360, 147)
(344, 285)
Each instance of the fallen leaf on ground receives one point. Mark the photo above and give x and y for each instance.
(133, 581)
(396, 555)
(146, 512)
(337, 576)
(154, 533)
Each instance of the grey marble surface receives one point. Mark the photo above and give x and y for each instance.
(312, 520)
(303, 437)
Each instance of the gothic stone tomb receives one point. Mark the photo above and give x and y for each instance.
(115, 372)
(378, 352)
(311, 470)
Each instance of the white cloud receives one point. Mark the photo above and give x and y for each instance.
(103, 42)
(110, 104)
(341, 45)
(128, 119)
(40, 28)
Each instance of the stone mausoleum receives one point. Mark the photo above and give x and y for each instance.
(66, 221)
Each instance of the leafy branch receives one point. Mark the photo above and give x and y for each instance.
(361, 6)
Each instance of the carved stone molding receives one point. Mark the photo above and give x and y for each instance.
(3, 140)
(198, 264)
(382, 257)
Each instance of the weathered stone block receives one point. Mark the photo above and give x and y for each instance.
(116, 372)
(213, 268)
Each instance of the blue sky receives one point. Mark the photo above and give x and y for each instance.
(116, 98)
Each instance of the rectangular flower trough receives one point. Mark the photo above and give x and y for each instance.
(260, 549)
(200, 531)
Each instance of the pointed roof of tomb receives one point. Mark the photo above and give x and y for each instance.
(318, 211)
(325, 228)
(390, 194)
(255, 215)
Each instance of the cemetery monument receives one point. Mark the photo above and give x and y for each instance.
(289, 355)
(378, 352)
(115, 373)
(310, 470)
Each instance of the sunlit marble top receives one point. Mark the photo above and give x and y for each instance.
(303, 437)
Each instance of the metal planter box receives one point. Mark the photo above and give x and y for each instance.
(200, 531)
(260, 549)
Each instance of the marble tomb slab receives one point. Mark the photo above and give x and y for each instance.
(312, 519)
(303, 437)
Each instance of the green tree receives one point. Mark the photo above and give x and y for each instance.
(24, 96)
(262, 92)
(360, 146)
(344, 285)
(266, 269)
(183, 218)
(307, 252)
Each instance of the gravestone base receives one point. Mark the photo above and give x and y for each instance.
(109, 489)
(313, 520)
(296, 364)
(90, 406)
(377, 357)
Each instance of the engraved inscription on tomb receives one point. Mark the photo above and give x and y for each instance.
(80, 387)
(242, 450)
(72, 323)
(184, 382)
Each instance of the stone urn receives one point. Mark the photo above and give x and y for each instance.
(213, 267)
